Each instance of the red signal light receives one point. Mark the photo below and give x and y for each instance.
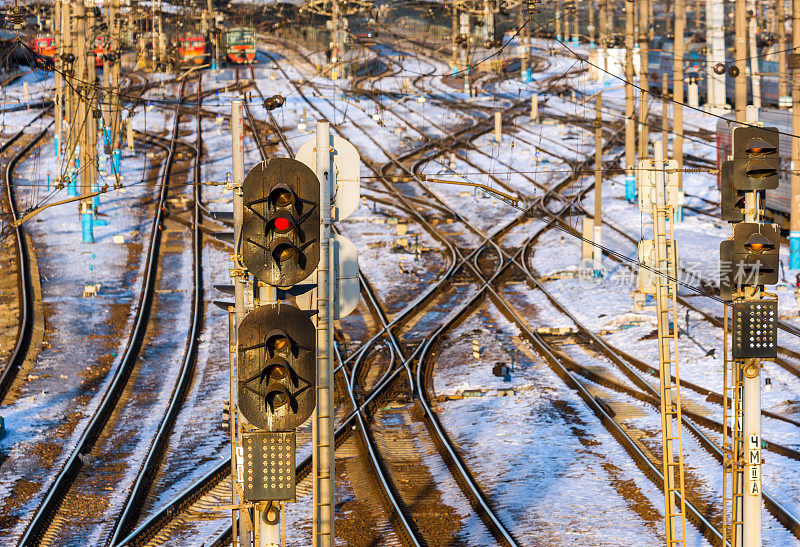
(282, 224)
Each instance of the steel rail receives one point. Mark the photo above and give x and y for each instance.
(147, 473)
(24, 281)
(37, 527)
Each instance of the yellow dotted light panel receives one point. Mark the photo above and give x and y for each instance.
(268, 465)
(755, 329)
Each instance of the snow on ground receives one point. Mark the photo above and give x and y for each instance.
(60, 395)
(508, 441)
(543, 445)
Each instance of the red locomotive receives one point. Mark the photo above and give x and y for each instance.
(43, 44)
(99, 50)
(192, 50)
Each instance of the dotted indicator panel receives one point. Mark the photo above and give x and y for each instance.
(755, 329)
(269, 465)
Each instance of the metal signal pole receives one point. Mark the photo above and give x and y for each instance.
(740, 50)
(794, 222)
(630, 123)
(323, 447)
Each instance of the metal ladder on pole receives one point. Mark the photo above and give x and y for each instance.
(671, 420)
(732, 443)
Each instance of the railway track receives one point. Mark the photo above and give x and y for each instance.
(149, 469)
(25, 282)
(704, 525)
(41, 527)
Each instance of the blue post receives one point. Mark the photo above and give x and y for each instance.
(116, 155)
(72, 184)
(677, 214)
(630, 188)
(48, 181)
(794, 250)
(95, 200)
(106, 135)
(87, 227)
(526, 76)
(56, 144)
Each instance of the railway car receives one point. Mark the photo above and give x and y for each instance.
(776, 201)
(192, 50)
(43, 44)
(240, 45)
(99, 50)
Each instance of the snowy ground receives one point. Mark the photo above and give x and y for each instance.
(541, 445)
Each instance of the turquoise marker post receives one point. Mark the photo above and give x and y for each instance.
(630, 188)
(794, 250)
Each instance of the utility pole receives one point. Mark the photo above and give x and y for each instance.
(116, 61)
(337, 36)
(630, 123)
(84, 119)
(598, 186)
(465, 68)
(665, 115)
(677, 89)
(558, 22)
(716, 100)
(323, 442)
(523, 58)
(575, 31)
(794, 222)
(602, 32)
(780, 30)
(58, 65)
(755, 78)
(453, 41)
(602, 40)
(107, 92)
(488, 19)
(740, 50)
(89, 184)
(644, 74)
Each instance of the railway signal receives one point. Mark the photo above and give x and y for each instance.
(756, 253)
(756, 158)
(284, 353)
(276, 347)
(748, 261)
(732, 200)
(280, 223)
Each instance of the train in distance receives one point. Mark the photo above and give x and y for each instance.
(44, 44)
(192, 49)
(240, 45)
